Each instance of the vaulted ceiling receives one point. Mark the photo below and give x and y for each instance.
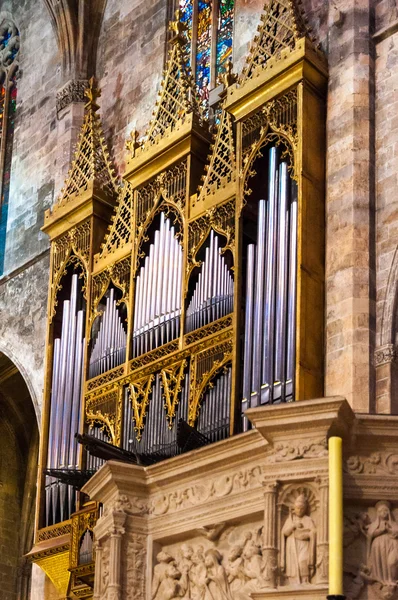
(77, 25)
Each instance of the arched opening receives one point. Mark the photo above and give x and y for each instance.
(18, 473)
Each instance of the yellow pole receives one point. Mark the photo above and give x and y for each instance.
(335, 517)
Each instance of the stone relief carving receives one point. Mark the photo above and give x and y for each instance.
(294, 449)
(385, 354)
(371, 553)
(377, 463)
(73, 91)
(201, 571)
(128, 505)
(134, 566)
(200, 493)
(298, 552)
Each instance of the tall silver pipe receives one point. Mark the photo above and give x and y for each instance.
(267, 368)
(77, 387)
(62, 378)
(54, 400)
(291, 311)
(248, 345)
(281, 286)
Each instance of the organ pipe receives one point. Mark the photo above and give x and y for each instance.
(109, 348)
(214, 415)
(157, 308)
(270, 314)
(65, 405)
(213, 294)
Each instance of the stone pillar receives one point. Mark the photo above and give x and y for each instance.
(98, 571)
(115, 547)
(323, 537)
(386, 379)
(70, 113)
(350, 253)
(270, 547)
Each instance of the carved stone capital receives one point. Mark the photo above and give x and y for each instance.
(73, 91)
(385, 354)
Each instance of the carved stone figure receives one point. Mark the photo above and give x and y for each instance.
(185, 566)
(383, 545)
(235, 569)
(299, 544)
(159, 573)
(217, 580)
(173, 585)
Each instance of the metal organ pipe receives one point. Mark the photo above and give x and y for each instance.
(158, 296)
(212, 297)
(269, 342)
(65, 405)
(109, 347)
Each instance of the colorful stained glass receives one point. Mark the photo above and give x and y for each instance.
(224, 35)
(203, 48)
(9, 132)
(186, 7)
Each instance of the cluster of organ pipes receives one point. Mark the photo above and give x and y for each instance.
(66, 389)
(158, 440)
(157, 307)
(109, 347)
(214, 414)
(93, 462)
(214, 290)
(86, 548)
(270, 319)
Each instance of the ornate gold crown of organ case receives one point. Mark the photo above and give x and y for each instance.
(202, 300)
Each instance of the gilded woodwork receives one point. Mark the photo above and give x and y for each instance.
(279, 99)
(172, 378)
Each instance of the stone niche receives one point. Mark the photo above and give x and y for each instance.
(243, 518)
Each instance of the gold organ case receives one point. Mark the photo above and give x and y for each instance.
(199, 187)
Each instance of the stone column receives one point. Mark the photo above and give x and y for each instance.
(322, 559)
(270, 548)
(98, 571)
(386, 379)
(350, 253)
(70, 114)
(114, 586)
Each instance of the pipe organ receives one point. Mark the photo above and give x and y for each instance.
(109, 347)
(270, 303)
(201, 301)
(157, 307)
(66, 388)
(214, 291)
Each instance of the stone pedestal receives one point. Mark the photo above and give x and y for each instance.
(248, 517)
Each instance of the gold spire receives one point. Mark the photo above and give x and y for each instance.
(91, 165)
(282, 24)
(222, 164)
(177, 97)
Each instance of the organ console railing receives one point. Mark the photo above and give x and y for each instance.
(201, 301)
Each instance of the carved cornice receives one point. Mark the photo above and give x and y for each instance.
(385, 355)
(301, 448)
(73, 91)
(377, 463)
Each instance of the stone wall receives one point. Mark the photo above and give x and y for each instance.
(32, 178)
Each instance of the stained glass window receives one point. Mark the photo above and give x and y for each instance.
(9, 47)
(209, 47)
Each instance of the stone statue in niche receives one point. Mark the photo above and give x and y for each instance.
(298, 558)
(383, 544)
